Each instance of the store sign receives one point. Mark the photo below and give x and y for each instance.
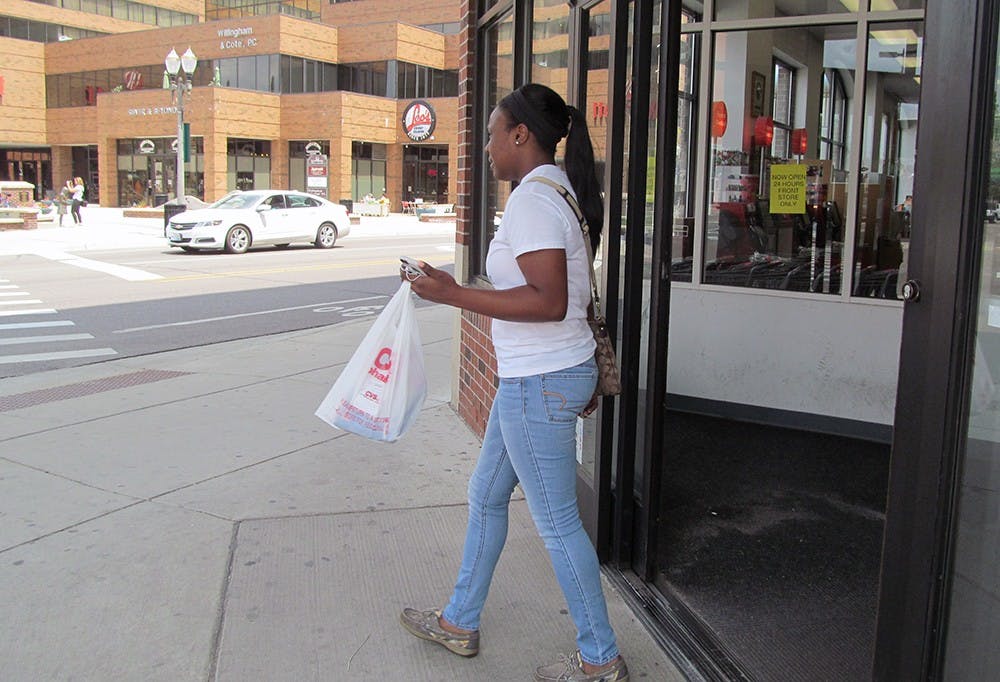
(132, 80)
(788, 188)
(147, 147)
(419, 120)
(317, 170)
(314, 148)
(236, 38)
(152, 111)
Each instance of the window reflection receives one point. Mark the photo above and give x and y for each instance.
(744, 9)
(263, 73)
(550, 51)
(498, 70)
(777, 201)
(887, 159)
(125, 9)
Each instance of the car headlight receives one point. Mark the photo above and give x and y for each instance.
(208, 223)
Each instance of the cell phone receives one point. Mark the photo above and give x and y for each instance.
(411, 267)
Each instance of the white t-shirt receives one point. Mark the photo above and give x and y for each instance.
(536, 217)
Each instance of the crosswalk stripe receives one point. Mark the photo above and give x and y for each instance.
(38, 325)
(120, 271)
(14, 340)
(30, 301)
(14, 293)
(33, 311)
(61, 355)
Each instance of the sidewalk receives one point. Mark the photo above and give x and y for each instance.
(184, 516)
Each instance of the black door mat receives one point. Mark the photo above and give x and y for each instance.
(772, 538)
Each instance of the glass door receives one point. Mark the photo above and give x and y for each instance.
(940, 586)
(973, 615)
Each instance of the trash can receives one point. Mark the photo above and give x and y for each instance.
(160, 199)
(170, 209)
(348, 204)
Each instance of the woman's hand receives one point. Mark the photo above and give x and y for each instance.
(437, 286)
(591, 406)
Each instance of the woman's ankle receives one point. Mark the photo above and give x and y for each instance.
(453, 629)
(590, 668)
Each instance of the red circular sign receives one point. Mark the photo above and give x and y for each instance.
(419, 120)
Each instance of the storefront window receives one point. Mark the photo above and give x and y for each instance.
(497, 66)
(147, 170)
(888, 153)
(776, 210)
(367, 169)
(248, 164)
(298, 153)
(425, 173)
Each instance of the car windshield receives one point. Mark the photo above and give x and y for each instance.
(237, 200)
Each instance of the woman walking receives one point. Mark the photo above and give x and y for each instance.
(539, 268)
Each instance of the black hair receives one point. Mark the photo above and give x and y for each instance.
(550, 119)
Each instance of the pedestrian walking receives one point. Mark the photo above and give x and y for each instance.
(538, 264)
(76, 190)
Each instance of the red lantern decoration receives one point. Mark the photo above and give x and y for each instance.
(800, 140)
(720, 119)
(763, 131)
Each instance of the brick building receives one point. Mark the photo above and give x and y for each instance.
(276, 82)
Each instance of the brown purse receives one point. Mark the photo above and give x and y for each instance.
(608, 378)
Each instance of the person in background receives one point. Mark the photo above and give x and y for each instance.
(62, 202)
(539, 268)
(76, 198)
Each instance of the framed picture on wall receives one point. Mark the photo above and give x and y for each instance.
(757, 86)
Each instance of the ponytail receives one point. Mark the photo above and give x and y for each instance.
(580, 169)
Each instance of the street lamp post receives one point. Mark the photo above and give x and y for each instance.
(177, 78)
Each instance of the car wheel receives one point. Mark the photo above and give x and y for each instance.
(326, 236)
(237, 239)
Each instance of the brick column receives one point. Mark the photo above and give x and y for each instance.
(474, 383)
(62, 166)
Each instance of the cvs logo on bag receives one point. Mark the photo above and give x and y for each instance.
(380, 366)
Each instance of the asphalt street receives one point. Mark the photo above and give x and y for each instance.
(113, 289)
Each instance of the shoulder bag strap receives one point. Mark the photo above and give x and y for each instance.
(564, 193)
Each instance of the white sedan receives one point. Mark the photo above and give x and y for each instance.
(240, 220)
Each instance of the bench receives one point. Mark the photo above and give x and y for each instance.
(143, 212)
(437, 217)
(12, 218)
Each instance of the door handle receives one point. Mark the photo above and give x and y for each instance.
(911, 290)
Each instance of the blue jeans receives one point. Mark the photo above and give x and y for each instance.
(531, 438)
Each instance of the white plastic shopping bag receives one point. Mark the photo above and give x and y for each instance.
(382, 388)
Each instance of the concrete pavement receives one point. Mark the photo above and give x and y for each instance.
(184, 516)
